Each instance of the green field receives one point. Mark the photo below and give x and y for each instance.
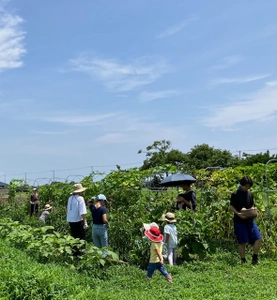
(37, 263)
(219, 277)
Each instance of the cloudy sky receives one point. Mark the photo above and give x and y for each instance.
(88, 83)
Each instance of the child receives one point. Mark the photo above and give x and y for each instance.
(47, 207)
(156, 258)
(170, 237)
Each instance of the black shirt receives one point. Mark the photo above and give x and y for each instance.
(97, 214)
(240, 199)
(190, 196)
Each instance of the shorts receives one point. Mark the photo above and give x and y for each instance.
(247, 232)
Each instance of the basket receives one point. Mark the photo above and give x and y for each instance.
(250, 213)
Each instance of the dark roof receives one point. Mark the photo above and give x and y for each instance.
(3, 185)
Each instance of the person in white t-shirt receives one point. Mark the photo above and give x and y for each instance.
(76, 214)
(170, 237)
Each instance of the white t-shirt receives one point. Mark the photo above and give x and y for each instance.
(75, 208)
(172, 231)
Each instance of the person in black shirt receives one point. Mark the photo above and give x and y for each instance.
(187, 199)
(246, 230)
(100, 223)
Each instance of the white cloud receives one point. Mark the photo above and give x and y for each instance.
(49, 132)
(136, 130)
(128, 128)
(68, 118)
(227, 62)
(122, 77)
(259, 106)
(11, 41)
(272, 83)
(176, 28)
(112, 138)
(238, 80)
(150, 96)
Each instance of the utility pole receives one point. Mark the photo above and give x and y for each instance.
(25, 178)
(53, 175)
(239, 154)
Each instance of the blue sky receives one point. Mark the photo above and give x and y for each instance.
(89, 83)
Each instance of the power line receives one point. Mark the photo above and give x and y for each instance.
(120, 164)
(256, 150)
(73, 169)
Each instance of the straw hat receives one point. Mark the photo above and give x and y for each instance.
(154, 234)
(148, 226)
(78, 188)
(47, 207)
(169, 217)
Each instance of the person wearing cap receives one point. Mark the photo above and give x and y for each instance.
(100, 223)
(170, 237)
(47, 209)
(76, 214)
(156, 261)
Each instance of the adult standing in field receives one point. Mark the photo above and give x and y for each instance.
(186, 200)
(100, 222)
(246, 229)
(76, 214)
(34, 203)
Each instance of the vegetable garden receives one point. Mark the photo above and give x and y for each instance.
(202, 234)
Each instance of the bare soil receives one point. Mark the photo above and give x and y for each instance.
(4, 195)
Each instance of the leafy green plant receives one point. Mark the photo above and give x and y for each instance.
(47, 245)
(131, 204)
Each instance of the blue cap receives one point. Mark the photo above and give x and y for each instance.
(101, 197)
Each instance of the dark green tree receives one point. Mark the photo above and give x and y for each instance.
(203, 156)
(251, 159)
(161, 153)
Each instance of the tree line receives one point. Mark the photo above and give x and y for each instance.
(199, 157)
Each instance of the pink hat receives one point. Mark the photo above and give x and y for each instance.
(154, 234)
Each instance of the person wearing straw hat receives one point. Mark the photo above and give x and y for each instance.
(156, 261)
(47, 209)
(100, 223)
(76, 213)
(170, 237)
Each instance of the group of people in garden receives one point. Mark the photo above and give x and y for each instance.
(241, 203)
